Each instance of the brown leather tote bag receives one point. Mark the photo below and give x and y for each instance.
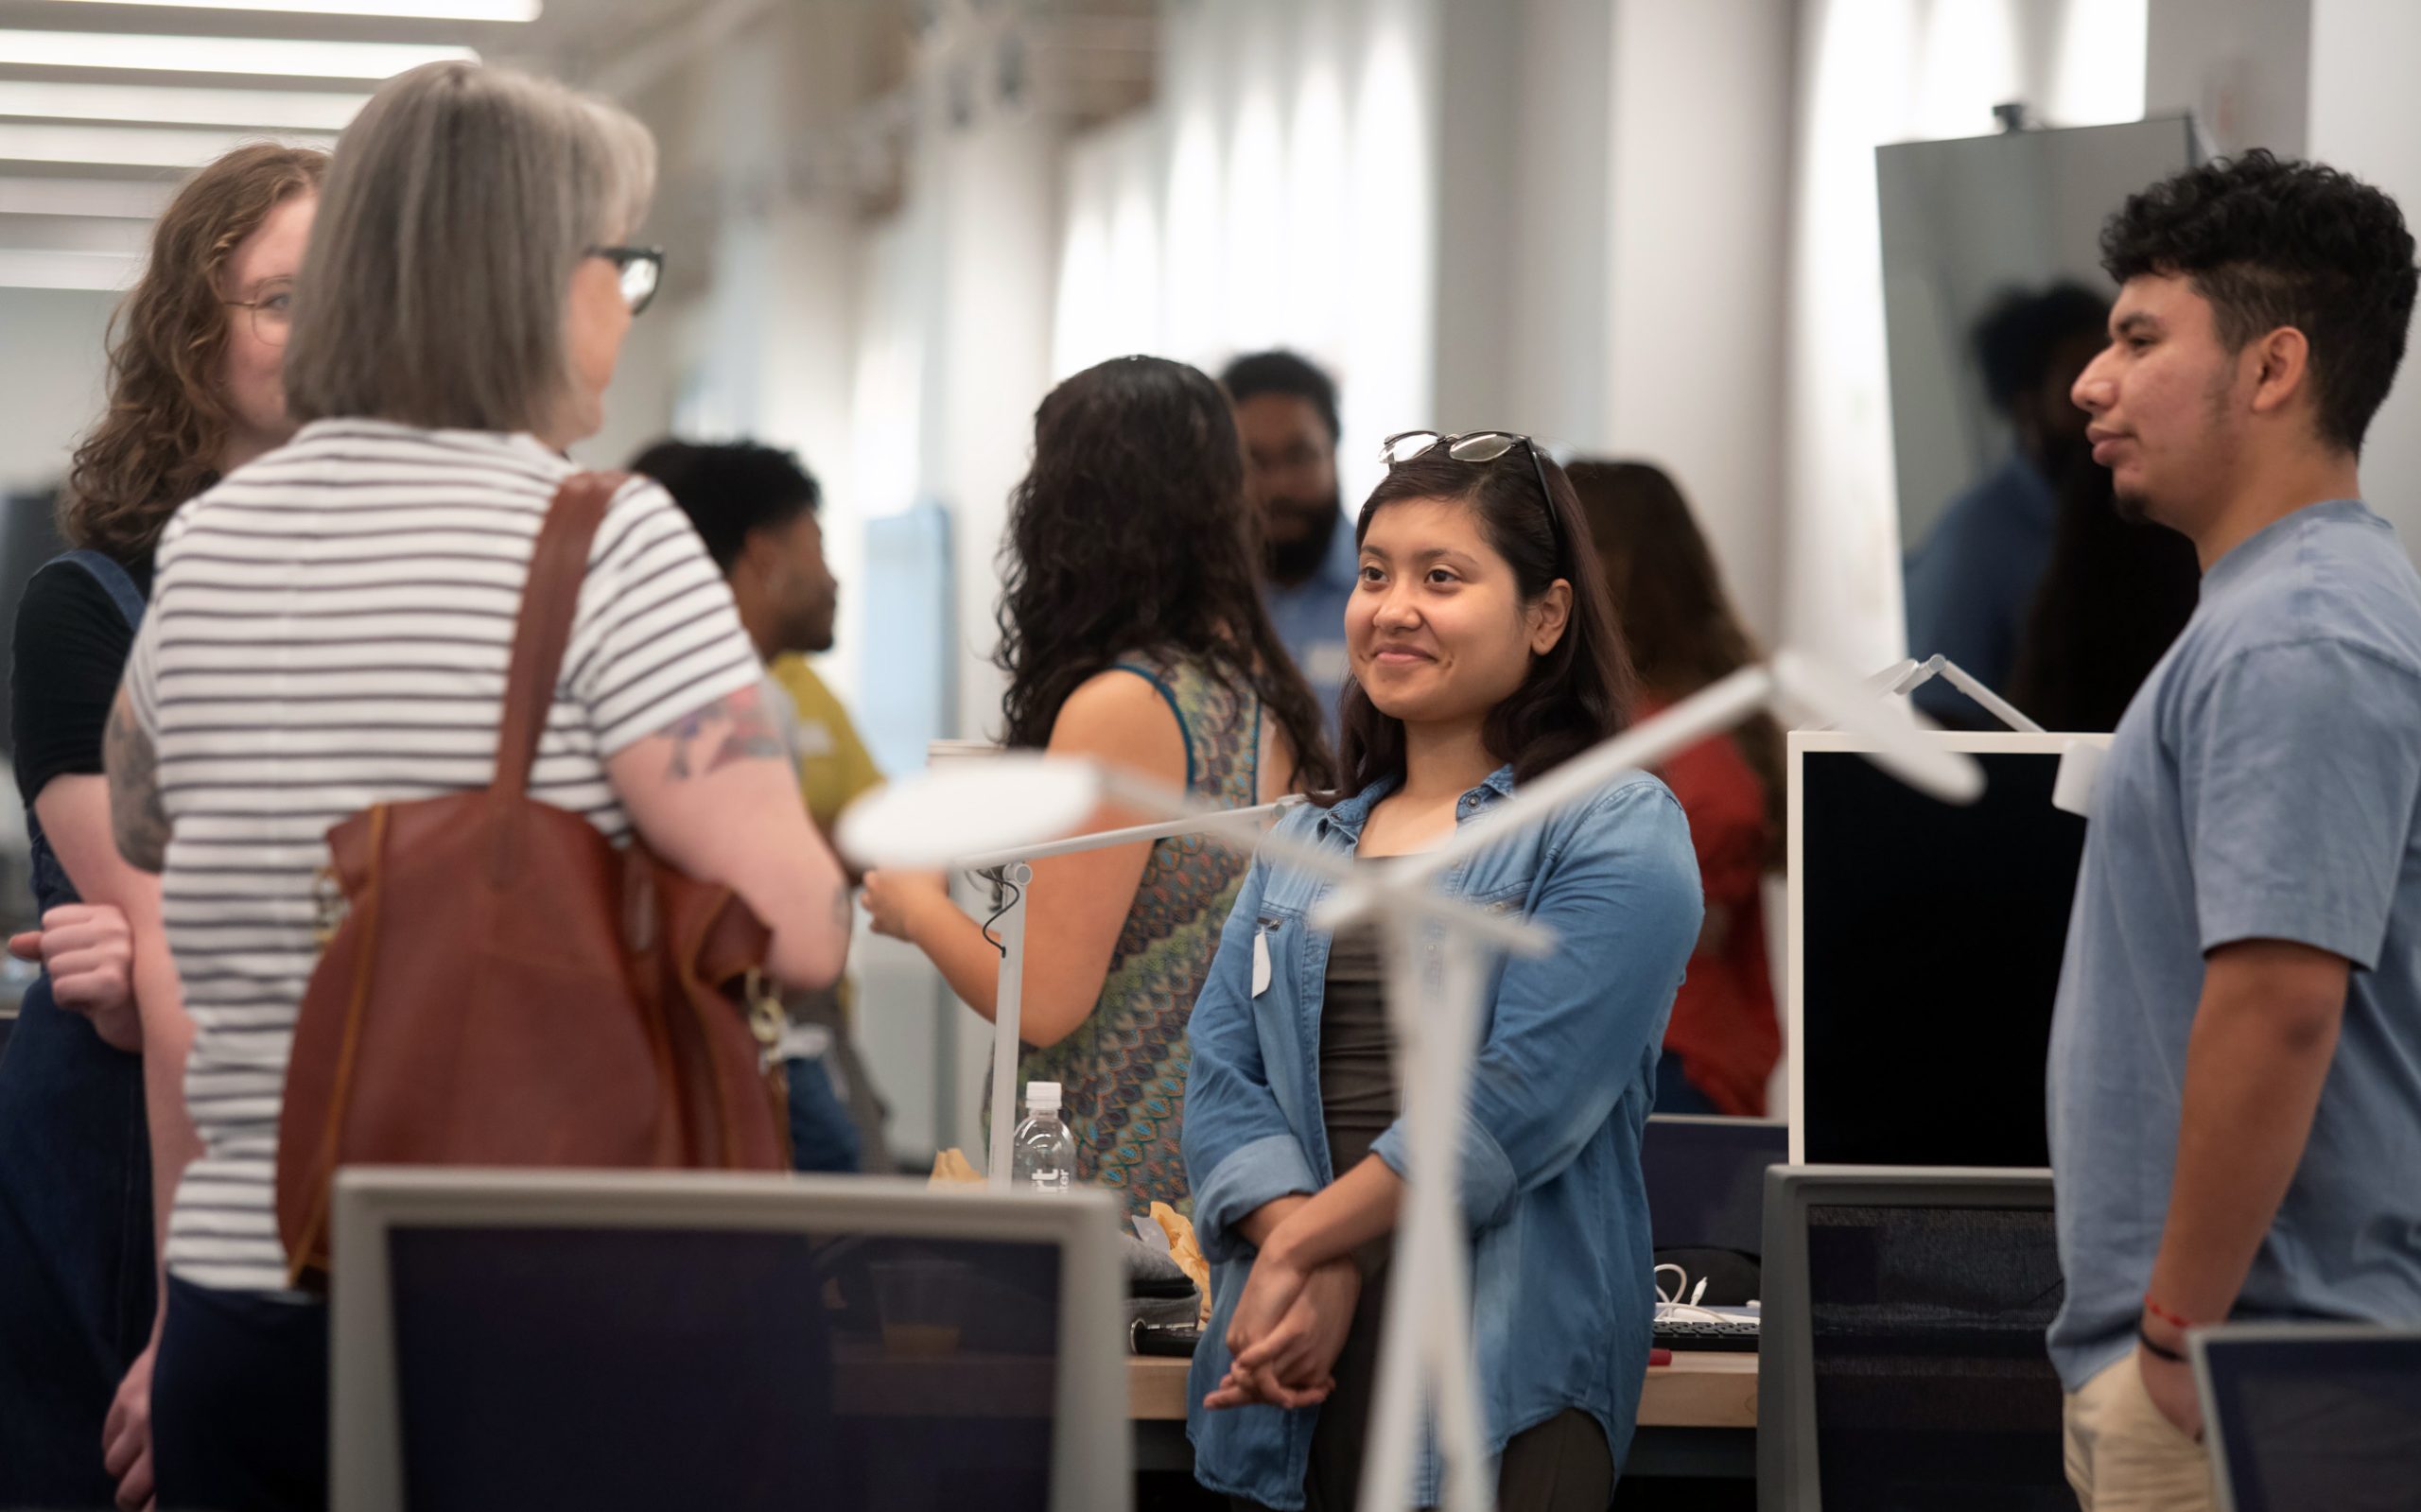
(506, 987)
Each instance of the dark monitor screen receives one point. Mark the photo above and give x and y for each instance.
(1931, 937)
(2333, 1423)
(1933, 1391)
(1706, 1180)
(644, 1368)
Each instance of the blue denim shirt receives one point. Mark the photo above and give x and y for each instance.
(1562, 1289)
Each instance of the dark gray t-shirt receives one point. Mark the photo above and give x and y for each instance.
(2263, 785)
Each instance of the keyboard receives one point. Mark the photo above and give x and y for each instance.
(1737, 1336)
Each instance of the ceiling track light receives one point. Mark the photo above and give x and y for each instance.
(266, 57)
(167, 105)
(130, 146)
(510, 11)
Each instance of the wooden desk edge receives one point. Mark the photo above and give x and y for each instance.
(1704, 1389)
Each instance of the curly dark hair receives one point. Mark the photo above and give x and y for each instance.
(1576, 695)
(1677, 622)
(2276, 243)
(1130, 531)
(731, 489)
(158, 443)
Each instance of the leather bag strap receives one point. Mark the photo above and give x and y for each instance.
(558, 565)
(550, 599)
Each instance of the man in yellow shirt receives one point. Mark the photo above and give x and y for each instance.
(834, 770)
(754, 507)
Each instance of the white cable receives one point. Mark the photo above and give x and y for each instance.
(1670, 1307)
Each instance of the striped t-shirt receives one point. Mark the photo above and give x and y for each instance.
(329, 630)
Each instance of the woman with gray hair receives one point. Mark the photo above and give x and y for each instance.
(330, 631)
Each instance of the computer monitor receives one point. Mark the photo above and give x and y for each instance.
(1706, 1179)
(645, 1340)
(1901, 1363)
(2316, 1415)
(1925, 951)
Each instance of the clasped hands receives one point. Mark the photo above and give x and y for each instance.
(1287, 1330)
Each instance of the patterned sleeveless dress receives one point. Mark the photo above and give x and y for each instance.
(1123, 1071)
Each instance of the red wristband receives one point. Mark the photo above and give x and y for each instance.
(2164, 1314)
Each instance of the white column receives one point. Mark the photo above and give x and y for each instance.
(1696, 271)
(2366, 119)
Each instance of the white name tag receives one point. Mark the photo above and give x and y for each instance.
(1259, 962)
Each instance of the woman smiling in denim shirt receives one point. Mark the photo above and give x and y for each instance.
(1484, 652)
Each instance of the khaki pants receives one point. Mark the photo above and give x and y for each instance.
(2124, 1457)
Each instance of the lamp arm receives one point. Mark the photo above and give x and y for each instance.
(1357, 888)
(1710, 711)
(1242, 827)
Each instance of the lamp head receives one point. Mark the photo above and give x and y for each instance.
(1815, 694)
(973, 808)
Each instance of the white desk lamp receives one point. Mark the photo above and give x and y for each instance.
(951, 815)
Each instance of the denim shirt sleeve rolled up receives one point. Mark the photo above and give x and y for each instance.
(1563, 1293)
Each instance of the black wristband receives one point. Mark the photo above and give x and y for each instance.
(2159, 1350)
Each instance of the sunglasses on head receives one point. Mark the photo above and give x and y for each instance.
(1475, 446)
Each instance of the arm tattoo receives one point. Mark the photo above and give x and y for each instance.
(738, 728)
(136, 818)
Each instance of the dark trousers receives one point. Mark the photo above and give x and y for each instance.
(76, 1274)
(239, 1403)
(1562, 1465)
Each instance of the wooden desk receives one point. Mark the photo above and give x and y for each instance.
(1697, 1390)
(1155, 1388)
(1702, 1389)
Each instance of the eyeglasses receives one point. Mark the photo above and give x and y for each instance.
(1475, 446)
(642, 271)
(272, 313)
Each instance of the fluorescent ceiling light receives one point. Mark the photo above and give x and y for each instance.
(99, 199)
(134, 146)
(22, 269)
(273, 56)
(293, 109)
(402, 9)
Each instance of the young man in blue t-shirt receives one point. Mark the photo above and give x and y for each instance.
(2236, 1057)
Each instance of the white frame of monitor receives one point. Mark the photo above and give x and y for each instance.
(1801, 743)
(2198, 1347)
(1788, 1474)
(1089, 1468)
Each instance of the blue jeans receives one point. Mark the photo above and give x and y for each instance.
(823, 1137)
(76, 1272)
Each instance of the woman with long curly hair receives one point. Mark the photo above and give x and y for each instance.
(195, 392)
(1132, 632)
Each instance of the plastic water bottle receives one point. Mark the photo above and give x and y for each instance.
(1042, 1154)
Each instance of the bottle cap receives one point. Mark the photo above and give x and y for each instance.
(1042, 1097)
